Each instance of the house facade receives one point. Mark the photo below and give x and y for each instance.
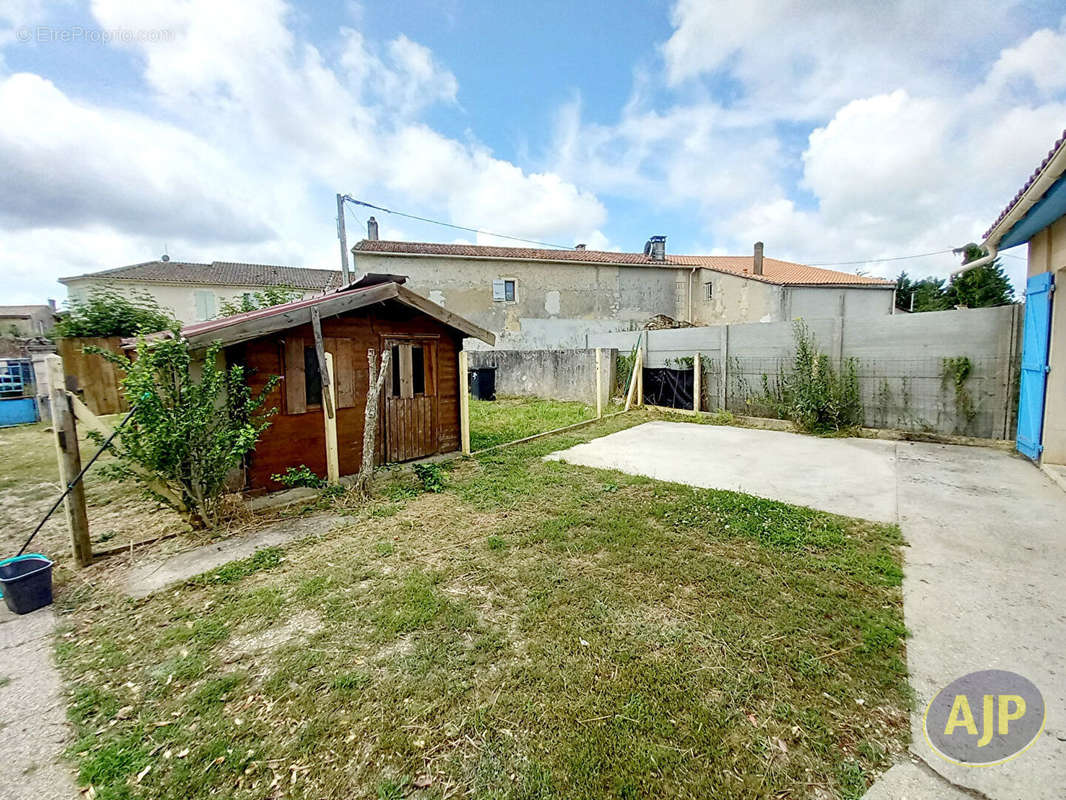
(538, 298)
(1037, 216)
(194, 292)
(27, 322)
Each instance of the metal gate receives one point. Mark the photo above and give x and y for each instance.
(1033, 386)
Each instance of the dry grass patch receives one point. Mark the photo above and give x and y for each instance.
(537, 629)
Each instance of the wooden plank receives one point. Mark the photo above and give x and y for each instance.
(464, 403)
(333, 473)
(69, 459)
(344, 372)
(632, 393)
(320, 353)
(406, 375)
(295, 380)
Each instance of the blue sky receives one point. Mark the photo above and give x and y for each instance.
(221, 129)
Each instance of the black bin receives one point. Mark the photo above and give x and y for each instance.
(26, 582)
(483, 383)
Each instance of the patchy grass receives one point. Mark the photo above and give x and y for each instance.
(508, 419)
(534, 630)
(29, 484)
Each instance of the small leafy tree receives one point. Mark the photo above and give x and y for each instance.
(193, 423)
(108, 313)
(813, 394)
(253, 301)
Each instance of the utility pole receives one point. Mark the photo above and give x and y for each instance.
(344, 239)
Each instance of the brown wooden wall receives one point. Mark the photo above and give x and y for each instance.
(97, 380)
(297, 436)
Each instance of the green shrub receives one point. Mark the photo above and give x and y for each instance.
(108, 313)
(431, 476)
(187, 432)
(299, 476)
(812, 393)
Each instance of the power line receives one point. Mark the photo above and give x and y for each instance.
(456, 227)
(879, 260)
(354, 201)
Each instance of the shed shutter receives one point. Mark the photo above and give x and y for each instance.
(343, 370)
(499, 289)
(295, 382)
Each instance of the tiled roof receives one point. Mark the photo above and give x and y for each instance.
(224, 273)
(1032, 178)
(774, 270)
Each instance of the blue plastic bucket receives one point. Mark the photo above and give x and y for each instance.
(26, 582)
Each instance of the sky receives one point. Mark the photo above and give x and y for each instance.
(833, 131)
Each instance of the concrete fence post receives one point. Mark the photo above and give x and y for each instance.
(723, 380)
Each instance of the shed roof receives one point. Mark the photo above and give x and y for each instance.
(264, 321)
(775, 271)
(223, 273)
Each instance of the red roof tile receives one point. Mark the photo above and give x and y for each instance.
(774, 271)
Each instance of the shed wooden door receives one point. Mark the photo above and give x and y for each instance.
(411, 400)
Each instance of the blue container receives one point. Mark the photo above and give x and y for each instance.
(26, 582)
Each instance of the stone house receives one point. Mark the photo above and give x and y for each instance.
(27, 321)
(537, 298)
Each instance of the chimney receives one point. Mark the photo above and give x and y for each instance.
(579, 247)
(756, 268)
(52, 303)
(655, 249)
(372, 229)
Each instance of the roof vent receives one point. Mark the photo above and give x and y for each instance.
(579, 246)
(655, 248)
(165, 257)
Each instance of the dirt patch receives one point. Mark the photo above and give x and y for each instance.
(301, 625)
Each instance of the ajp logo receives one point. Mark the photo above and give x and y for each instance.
(984, 718)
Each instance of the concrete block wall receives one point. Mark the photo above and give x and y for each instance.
(903, 377)
(552, 374)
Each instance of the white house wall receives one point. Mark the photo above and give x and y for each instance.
(179, 300)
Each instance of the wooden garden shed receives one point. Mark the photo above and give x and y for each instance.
(420, 406)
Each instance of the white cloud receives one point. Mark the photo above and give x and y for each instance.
(804, 58)
(242, 134)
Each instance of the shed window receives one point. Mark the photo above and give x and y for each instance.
(503, 290)
(418, 369)
(312, 377)
(708, 290)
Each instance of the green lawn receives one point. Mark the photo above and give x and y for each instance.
(508, 419)
(29, 484)
(534, 630)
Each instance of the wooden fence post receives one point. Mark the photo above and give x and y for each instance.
(697, 379)
(599, 383)
(329, 396)
(69, 458)
(640, 377)
(464, 401)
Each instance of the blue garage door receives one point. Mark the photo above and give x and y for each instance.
(1033, 385)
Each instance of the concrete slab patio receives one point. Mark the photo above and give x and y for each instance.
(984, 567)
(855, 477)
